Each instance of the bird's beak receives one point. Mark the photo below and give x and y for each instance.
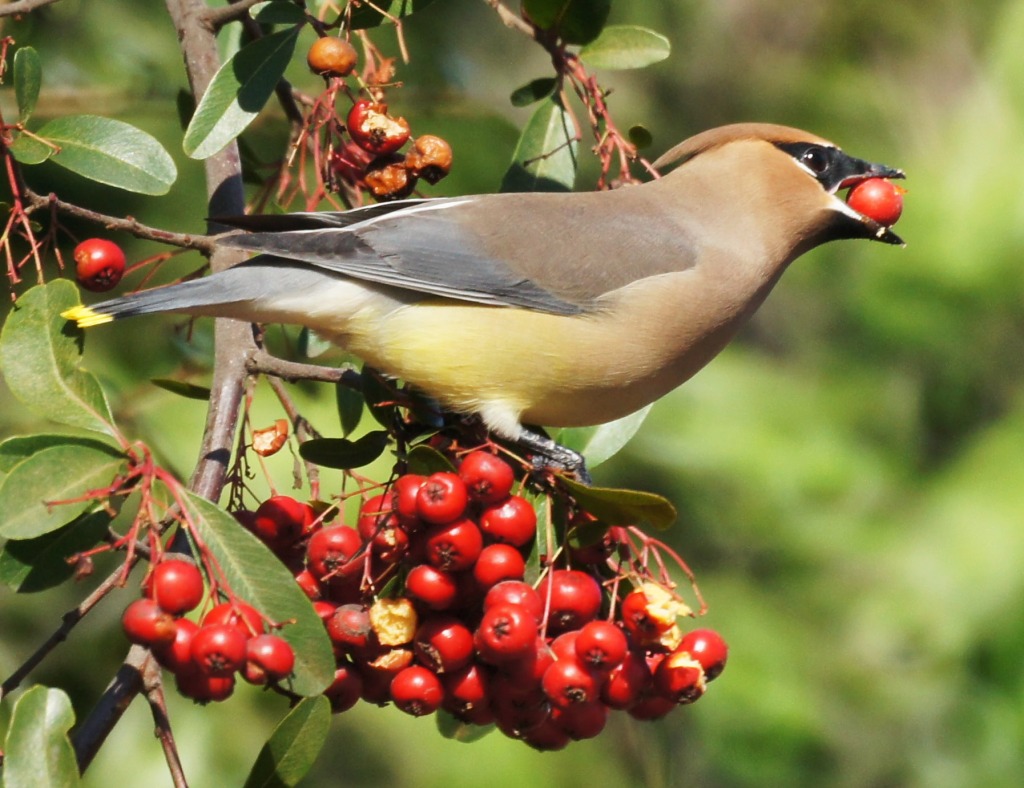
(858, 172)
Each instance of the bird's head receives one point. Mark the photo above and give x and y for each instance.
(795, 178)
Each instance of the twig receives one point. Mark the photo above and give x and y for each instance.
(68, 622)
(202, 243)
(152, 681)
(23, 7)
(263, 362)
(511, 19)
(216, 18)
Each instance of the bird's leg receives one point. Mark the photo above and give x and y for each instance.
(548, 454)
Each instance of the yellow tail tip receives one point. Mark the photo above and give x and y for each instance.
(85, 317)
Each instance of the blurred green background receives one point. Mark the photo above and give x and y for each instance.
(849, 473)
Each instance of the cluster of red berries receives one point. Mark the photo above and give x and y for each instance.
(372, 158)
(459, 629)
(204, 657)
(99, 264)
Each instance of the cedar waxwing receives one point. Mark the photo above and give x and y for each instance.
(559, 309)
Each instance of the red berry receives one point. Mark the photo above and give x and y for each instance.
(433, 587)
(202, 687)
(877, 199)
(547, 737)
(653, 707)
(516, 592)
(219, 650)
(679, 677)
(416, 691)
(442, 498)
(281, 521)
(350, 627)
(567, 682)
(528, 671)
(99, 264)
(601, 645)
(513, 521)
(245, 618)
(331, 57)
(498, 562)
(488, 478)
(454, 546)
(403, 493)
(176, 656)
(575, 599)
(373, 515)
(331, 552)
(581, 720)
(176, 585)
(642, 620)
(309, 584)
(627, 682)
(467, 691)
(708, 648)
(443, 643)
(147, 624)
(346, 689)
(373, 130)
(506, 633)
(268, 658)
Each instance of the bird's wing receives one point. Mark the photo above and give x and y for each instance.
(536, 251)
(286, 222)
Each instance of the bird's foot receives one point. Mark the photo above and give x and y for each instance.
(548, 454)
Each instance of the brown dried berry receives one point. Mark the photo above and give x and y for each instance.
(430, 158)
(269, 441)
(388, 179)
(332, 57)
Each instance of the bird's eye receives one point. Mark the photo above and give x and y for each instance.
(816, 160)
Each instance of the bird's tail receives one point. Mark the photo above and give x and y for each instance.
(184, 296)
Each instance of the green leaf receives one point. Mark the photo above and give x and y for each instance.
(640, 136)
(379, 396)
(29, 565)
(350, 407)
(278, 12)
(238, 92)
(451, 727)
(182, 389)
(257, 577)
(293, 746)
(28, 77)
(37, 751)
(342, 453)
(621, 47)
(600, 443)
(21, 447)
(367, 14)
(29, 150)
(533, 91)
(575, 21)
(55, 474)
(112, 152)
(622, 507)
(425, 460)
(545, 156)
(39, 354)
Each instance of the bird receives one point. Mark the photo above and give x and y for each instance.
(553, 309)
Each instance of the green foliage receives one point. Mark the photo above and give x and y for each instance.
(260, 579)
(37, 751)
(366, 15)
(622, 47)
(604, 441)
(238, 92)
(30, 565)
(623, 507)
(533, 91)
(545, 156)
(293, 747)
(575, 21)
(30, 493)
(343, 453)
(39, 359)
(28, 78)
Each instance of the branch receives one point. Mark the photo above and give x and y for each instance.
(23, 7)
(263, 362)
(216, 18)
(202, 243)
(68, 622)
(512, 20)
(154, 689)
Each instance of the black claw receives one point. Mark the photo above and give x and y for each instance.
(548, 454)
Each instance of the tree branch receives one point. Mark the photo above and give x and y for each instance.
(23, 7)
